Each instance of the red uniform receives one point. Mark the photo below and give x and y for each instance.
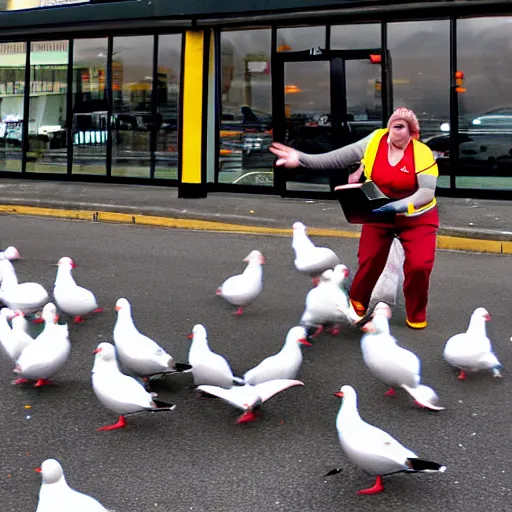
(416, 233)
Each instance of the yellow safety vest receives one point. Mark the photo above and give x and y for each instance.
(424, 163)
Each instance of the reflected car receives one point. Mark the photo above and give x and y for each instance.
(265, 178)
(496, 119)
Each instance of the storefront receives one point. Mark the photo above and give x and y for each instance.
(192, 94)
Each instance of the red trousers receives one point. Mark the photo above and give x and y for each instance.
(418, 237)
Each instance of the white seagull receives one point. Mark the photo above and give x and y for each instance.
(55, 495)
(310, 259)
(372, 449)
(243, 289)
(13, 339)
(471, 351)
(118, 392)
(137, 353)
(27, 297)
(11, 253)
(49, 351)
(69, 297)
(283, 365)
(250, 398)
(207, 366)
(328, 302)
(393, 364)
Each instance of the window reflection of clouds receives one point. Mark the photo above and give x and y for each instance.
(355, 37)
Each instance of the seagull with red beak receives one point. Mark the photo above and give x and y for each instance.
(118, 392)
(371, 449)
(471, 351)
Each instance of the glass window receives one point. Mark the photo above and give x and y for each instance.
(12, 89)
(169, 69)
(420, 64)
(294, 39)
(47, 144)
(485, 103)
(246, 119)
(89, 116)
(132, 84)
(355, 37)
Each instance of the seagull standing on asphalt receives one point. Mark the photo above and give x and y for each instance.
(207, 366)
(283, 365)
(243, 289)
(55, 495)
(310, 259)
(471, 351)
(393, 364)
(372, 449)
(138, 354)
(41, 359)
(69, 297)
(118, 392)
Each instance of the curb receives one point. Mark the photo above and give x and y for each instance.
(444, 242)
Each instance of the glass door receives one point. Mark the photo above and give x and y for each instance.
(325, 100)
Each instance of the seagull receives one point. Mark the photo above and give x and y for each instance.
(69, 297)
(372, 449)
(328, 302)
(55, 495)
(50, 350)
(393, 364)
(13, 340)
(242, 290)
(11, 253)
(137, 353)
(283, 365)
(471, 351)
(310, 259)
(250, 398)
(27, 297)
(207, 366)
(118, 392)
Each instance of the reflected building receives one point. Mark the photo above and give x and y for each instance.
(156, 101)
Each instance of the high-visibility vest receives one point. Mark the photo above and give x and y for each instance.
(424, 162)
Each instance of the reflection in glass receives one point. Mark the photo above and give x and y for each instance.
(12, 88)
(47, 144)
(307, 94)
(485, 108)
(89, 115)
(246, 120)
(169, 67)
(294, 39)
(132, 83)
(421, 76)
(355, 36)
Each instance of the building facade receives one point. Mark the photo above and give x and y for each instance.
(192, 94)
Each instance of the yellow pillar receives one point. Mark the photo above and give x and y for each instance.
(193, 144)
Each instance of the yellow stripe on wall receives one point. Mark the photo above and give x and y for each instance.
(192, 107)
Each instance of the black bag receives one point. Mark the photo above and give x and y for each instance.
(357, 201)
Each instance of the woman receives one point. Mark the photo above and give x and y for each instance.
(406, 171)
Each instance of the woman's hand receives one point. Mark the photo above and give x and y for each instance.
(287, 156)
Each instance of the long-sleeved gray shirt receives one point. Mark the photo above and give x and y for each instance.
(353, 153)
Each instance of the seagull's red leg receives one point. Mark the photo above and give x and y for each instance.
(462, 375)
(247, 417)
(20, 380)
(239, 311)
(121, 422)
(377, 487)
(42, 382)
(390, 392)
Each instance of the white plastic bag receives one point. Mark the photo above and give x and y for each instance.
(386, 289)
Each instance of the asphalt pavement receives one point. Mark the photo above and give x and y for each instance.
(196, 457)
(464, 222)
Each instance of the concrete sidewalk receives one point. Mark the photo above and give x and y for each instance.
(466, 224)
